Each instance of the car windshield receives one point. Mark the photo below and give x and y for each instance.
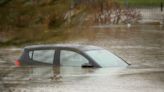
(106, 59)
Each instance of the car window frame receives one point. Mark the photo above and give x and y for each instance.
(91, 61)
(37, 62)
(73, 52)
(56, 61)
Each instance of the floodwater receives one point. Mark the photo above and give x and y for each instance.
(141, 46)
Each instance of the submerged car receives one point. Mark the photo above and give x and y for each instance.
(69, 56)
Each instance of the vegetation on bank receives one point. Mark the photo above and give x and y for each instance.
(27, 21)
(44, 21)
(143, 3)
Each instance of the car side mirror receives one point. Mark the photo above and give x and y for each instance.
(87, 65)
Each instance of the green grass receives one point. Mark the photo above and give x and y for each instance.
(142, 2)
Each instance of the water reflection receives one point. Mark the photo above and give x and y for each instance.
(37, 79)
(47, 74)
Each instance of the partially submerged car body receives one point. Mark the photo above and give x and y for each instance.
(69, 55)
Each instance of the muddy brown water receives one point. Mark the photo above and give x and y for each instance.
(142, 46)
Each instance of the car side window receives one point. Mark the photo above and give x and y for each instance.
(43, 56)
(71, 58)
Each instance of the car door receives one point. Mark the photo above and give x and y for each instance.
(70, 58)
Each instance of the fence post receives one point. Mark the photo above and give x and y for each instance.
(161, 6)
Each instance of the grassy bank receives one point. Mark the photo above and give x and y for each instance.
(141, 2)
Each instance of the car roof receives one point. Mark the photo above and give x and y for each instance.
(69, 46)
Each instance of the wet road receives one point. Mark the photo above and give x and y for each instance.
(142, 46)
